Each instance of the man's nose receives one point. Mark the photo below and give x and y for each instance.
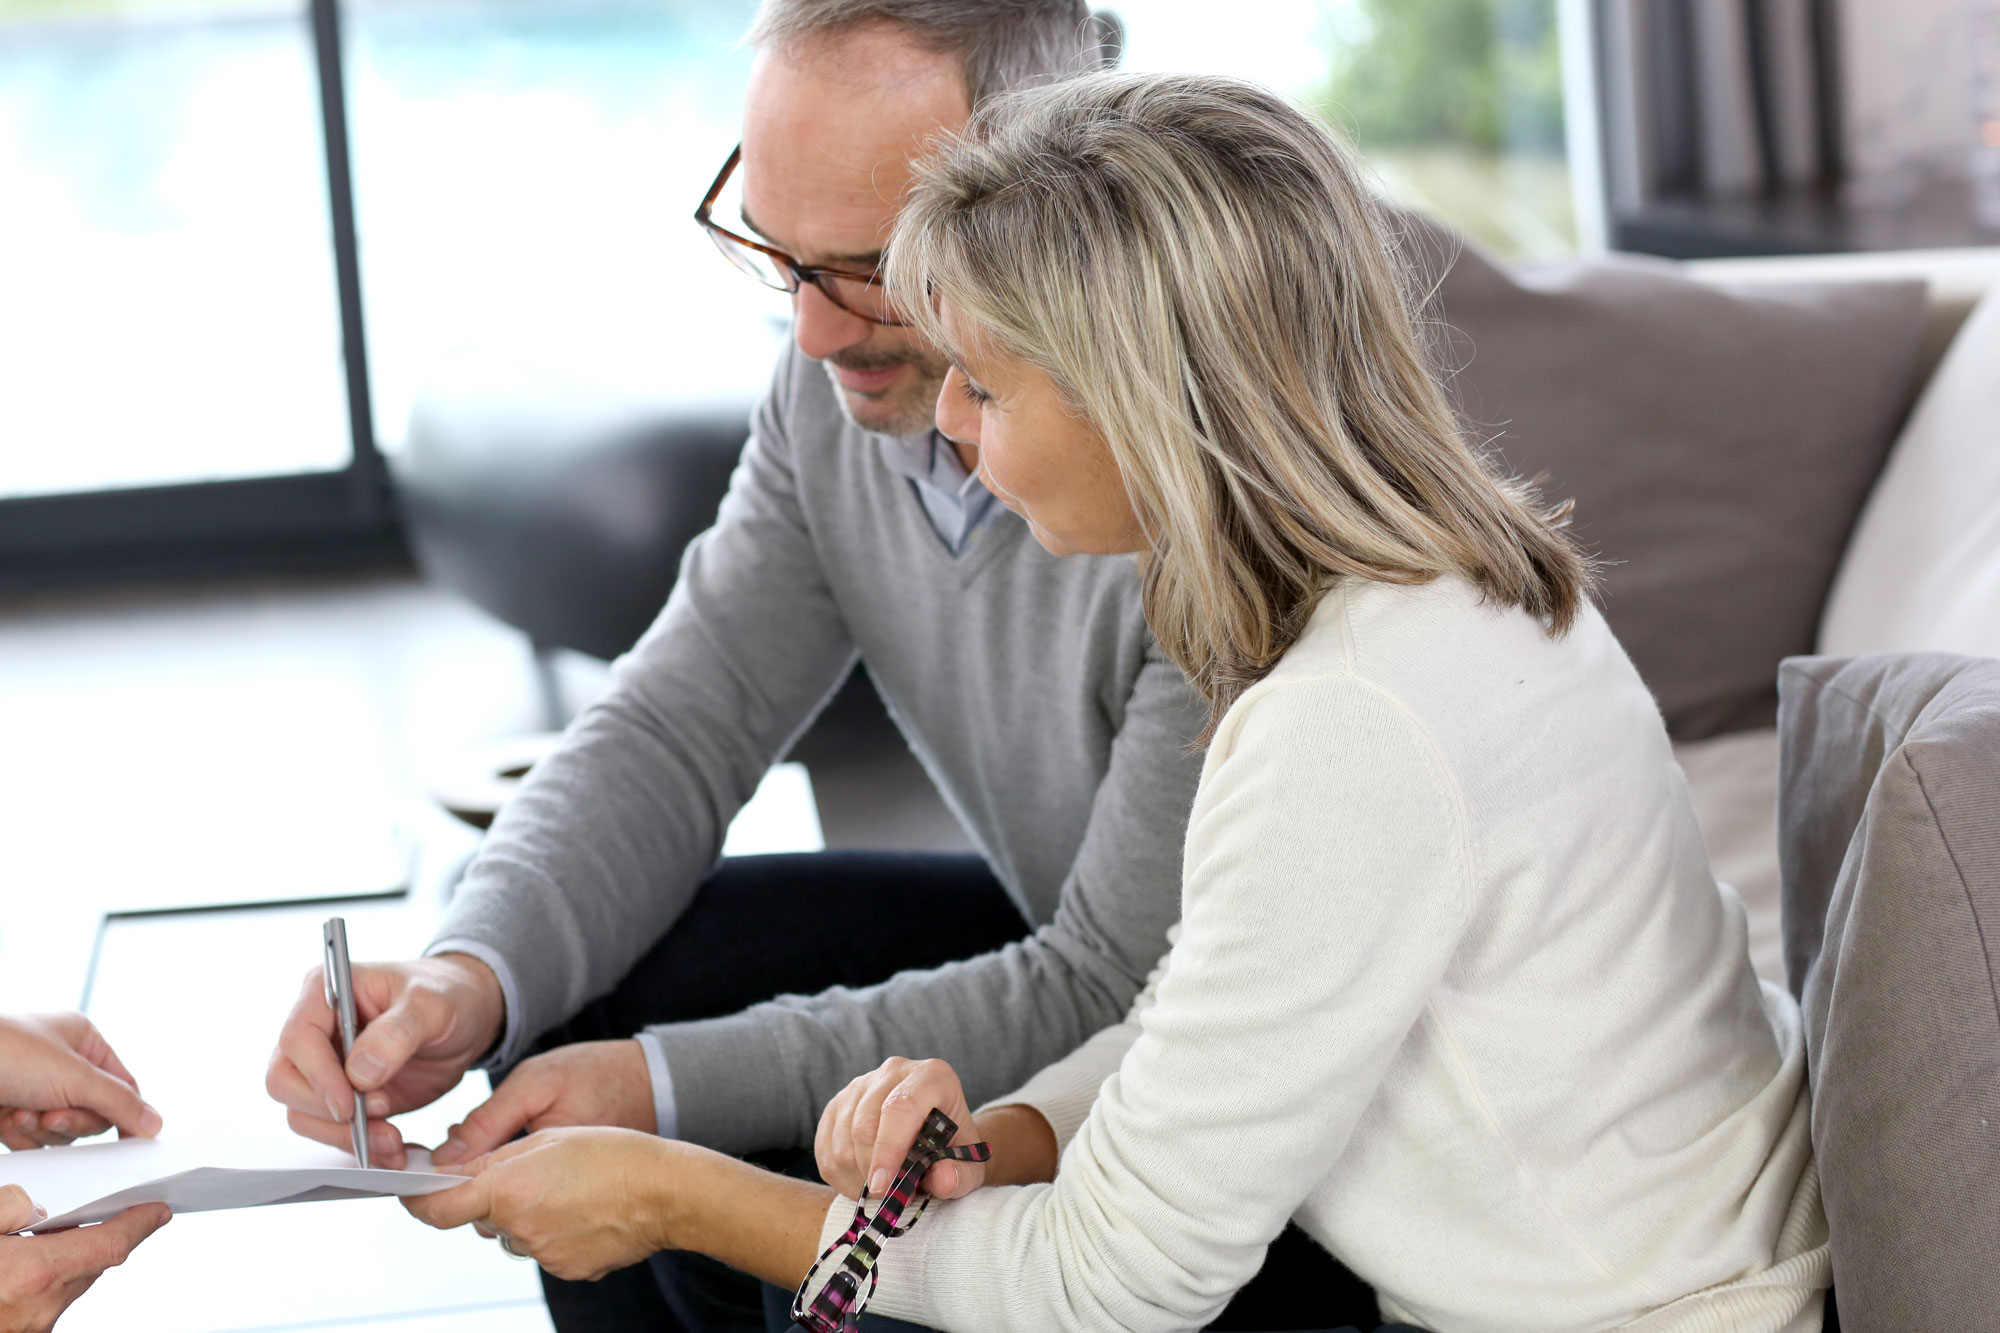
(822, 328)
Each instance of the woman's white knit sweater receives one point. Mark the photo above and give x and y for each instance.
(1454, 989)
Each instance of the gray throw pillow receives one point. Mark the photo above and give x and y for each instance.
(1718, 442)
(1889, 836)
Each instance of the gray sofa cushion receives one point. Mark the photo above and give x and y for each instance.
(1718, 442)
(1889, 837)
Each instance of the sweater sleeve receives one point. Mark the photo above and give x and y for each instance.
(608, 838)
(1064, 1092)
(1326, 889)
(759, 1079)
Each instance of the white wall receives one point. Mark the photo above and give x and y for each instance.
(1283, 44)
(1907, 85)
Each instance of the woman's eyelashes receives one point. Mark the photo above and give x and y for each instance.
(975, 395)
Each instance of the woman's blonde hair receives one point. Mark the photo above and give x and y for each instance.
(1200, 269)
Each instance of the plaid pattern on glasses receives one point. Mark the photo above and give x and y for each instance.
(837, 1306)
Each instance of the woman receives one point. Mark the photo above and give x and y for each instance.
(1453, 987)
(61, 1081)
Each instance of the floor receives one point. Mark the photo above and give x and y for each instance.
(250, 751)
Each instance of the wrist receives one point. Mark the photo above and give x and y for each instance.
(687, 1192)
(639, 1102)
(754, 1220)
(1024, 1145)
(661, 1199)
(478, 999)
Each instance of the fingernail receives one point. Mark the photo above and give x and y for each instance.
(150, 1122)
(451, 1150)
(41, 1213)
(336, 1110)
(378, 1105)
(59, 1124)
(879, 1182)
(367, 1067)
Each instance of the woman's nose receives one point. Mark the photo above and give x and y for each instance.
(957, 418)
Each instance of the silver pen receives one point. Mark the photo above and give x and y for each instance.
(340, 999)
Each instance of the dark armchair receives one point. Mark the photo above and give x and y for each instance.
(559, 506)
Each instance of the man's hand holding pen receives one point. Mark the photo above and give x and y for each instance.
(423, 1024)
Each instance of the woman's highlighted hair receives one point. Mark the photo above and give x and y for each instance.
(1202, 271)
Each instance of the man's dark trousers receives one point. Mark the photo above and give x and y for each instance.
(772, 925)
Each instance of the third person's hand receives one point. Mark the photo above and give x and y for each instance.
(61, 1081)
(424, 1024)
(42, 1275)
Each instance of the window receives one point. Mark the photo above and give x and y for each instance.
(171, 310)
(525, 172)
(186, 383)
(209, 337)
(1457, 104)
(193, 379)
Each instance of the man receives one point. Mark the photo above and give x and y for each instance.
(1028, 686)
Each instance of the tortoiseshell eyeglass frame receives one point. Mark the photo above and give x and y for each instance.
(799, 274)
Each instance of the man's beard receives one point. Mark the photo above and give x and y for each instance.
(908, 408)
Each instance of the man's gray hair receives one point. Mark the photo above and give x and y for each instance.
(1005, 44)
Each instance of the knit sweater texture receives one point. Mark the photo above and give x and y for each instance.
(1029, 688)
(1453, 988)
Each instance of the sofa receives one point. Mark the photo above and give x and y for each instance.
(1889, 819)
(1910, 573)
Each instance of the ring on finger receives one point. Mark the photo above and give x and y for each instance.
(511, 1246)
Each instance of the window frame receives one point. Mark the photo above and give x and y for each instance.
(263, 524)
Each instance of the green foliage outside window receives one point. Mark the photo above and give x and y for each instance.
(1481, 74)
(1459, 104)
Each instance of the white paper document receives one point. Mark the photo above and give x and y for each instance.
(93, 1181)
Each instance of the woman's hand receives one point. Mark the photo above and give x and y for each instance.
(40, 1276)
(581, 1201)
(584, 1200)
(60, 1081)
(870, 1126)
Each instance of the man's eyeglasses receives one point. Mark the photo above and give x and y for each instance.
(860, 294)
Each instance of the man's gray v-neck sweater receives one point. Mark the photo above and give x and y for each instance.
(1029, 687)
